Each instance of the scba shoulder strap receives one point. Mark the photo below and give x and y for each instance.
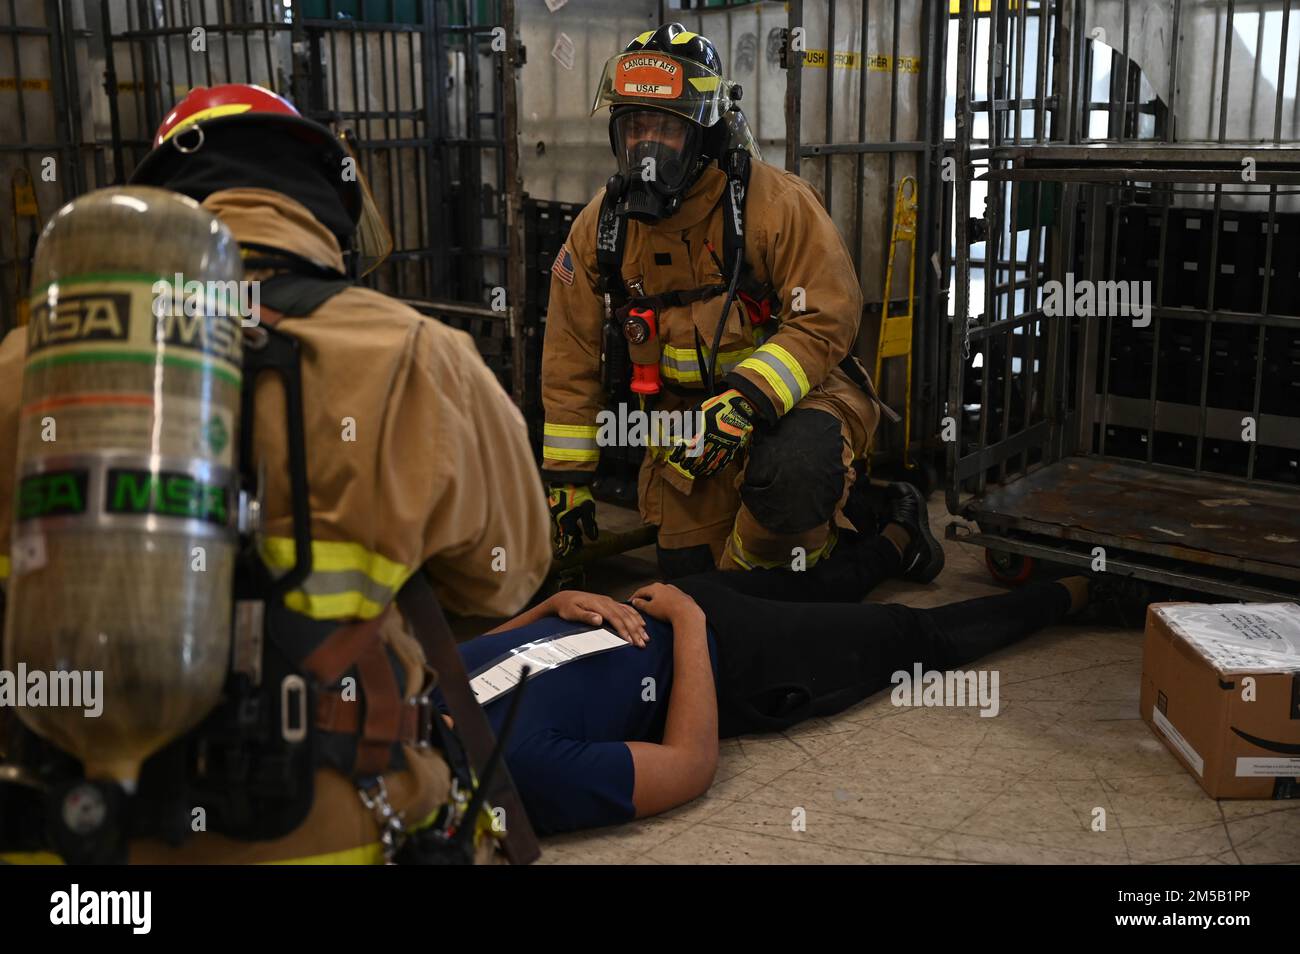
(733, 219)
(611, 244)
(611, 241)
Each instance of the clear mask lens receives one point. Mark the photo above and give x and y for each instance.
(656, 148)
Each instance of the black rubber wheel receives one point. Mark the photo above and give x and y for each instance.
(1009, 569)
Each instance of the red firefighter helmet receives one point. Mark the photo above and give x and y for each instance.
(182, 130)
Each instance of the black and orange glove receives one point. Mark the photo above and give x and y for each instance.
(727, 421)
(573, 513)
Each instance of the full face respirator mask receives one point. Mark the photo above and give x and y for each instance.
(659, 158)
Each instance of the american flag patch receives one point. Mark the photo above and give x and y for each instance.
(562, 267)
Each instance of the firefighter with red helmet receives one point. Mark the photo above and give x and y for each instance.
(418, 463)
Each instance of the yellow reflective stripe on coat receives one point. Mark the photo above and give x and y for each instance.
(747, 561)
(4, 566)
(572, 442)
(347, 581)
(372, 854)
(682, 365)
(30, 858)
(781, 371)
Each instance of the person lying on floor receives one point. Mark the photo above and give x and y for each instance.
(634, 731)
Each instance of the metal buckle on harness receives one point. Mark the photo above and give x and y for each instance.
(392, 828)
(425, 713)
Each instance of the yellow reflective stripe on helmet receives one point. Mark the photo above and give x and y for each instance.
(212, 112)
(782, 373)
(644, 36)
(571, 442)
(347, 581)
(705, 84)
(684, 37)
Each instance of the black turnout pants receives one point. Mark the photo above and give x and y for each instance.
(780, 662)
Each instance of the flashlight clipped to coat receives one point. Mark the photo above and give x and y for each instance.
(641, 329)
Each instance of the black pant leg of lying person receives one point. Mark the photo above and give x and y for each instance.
(780, 663)
(634, 731)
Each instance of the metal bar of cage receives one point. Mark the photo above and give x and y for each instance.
(53, 164)
(884, 20)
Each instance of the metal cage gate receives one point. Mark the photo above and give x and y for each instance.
(426, 87)
(1165, 441)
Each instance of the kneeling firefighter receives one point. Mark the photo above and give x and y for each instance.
(217, 507)
(724, 286)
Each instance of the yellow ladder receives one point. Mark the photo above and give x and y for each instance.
(25, 207)
(896, 330)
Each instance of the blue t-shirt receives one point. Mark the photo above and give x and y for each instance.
(566, 752)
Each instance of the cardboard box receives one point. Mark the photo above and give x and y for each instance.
(1221, 688)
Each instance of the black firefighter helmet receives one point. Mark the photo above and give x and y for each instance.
(667, 99)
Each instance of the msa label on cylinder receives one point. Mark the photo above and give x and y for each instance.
(166, 493)
(70, 319)
(106, 318)
(129, 491)
(60, 493)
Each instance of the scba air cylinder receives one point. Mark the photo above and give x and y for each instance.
(124, 525)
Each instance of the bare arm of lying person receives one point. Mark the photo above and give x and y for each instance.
(680, 768)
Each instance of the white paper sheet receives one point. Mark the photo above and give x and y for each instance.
(539, 657)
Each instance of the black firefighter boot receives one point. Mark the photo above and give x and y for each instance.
(905, 506)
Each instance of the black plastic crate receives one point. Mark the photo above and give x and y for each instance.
(1187, 259)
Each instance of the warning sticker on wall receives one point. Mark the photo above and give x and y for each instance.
(850, 60)
(643, 74)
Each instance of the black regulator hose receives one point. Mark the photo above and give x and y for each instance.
(722, 323)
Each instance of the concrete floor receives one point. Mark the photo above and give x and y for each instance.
(886, 784)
